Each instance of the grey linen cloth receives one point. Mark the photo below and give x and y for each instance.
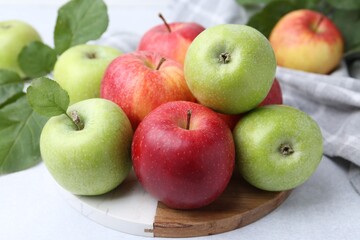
(332, 100)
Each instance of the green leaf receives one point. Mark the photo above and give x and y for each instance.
(345, 4)
(244, 2)
(353, 54)
(37, 59)
(265, 20)
(348, 22)
(22, 127)
(11, 85)
(78, 22)
(47, 98)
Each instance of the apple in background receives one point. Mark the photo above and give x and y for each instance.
(141, 81)
(170, 40)
(230, 68)
(278, 147)
(274, 97)
(183, 154)
(307, 40)
(14, 36)
(95, 159)
(80, 69)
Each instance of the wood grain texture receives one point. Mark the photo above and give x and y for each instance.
(240, 205)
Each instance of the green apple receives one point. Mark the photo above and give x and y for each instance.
(14, 35)
(278, 147)
(230, 68)
(94, 159)
(79, 70)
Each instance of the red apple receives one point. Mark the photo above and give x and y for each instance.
(140, 81)
(170, 40)
(307, 40)
(230, 119)
(183, 154)
(273, 97)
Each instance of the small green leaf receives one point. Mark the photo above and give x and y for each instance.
(78, 22)
(11, 85)
(47, 98)
(265, 20)
(37, 59)
(22, 127)
(345, 4)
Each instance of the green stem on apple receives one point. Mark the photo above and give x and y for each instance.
(162, 60)
(166, 24)
(224, 57)
(75, 118)
(188, 118)
(286, 149)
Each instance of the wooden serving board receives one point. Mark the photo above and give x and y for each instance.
(130, 209)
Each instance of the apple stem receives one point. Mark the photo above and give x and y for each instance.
(162, 60)
(286, 149)
(166, 24)
(5, 26)
(224, 57)
(316, 26)
(91, 55)
(188, 117)
(75, 118)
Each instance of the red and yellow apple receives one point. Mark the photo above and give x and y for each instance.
(170, 40)
(307, 40)
(141, 81)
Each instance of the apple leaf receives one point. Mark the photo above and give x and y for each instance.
(37, 59)
(265, 20)
(352, 54)
(253, 1)
(11, 85)
(347, 21)
(78, 22)
(345, 4)
(20, 129)
(47, 98)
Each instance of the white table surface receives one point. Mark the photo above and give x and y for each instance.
(32, 208)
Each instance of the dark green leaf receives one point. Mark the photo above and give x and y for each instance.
(348, 23)
(37, 59)
(78, 22)
(353, 54)
(22, 127)
(47, 98)
(241, 2)
(10, 85)
(345, 4)
(265, 20)
(311, 4)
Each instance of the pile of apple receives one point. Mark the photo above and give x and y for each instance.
(181, 110)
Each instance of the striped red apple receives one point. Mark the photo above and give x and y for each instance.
(141, 81)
